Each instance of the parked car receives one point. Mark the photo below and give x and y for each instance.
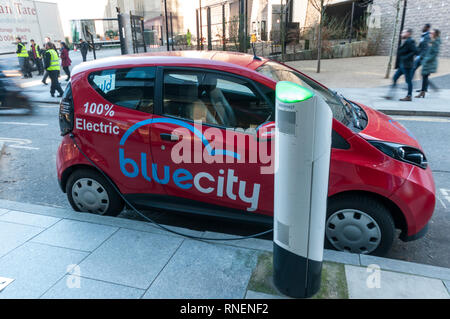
(130, 114)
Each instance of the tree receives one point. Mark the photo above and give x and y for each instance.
(320, 6)
(396, 3)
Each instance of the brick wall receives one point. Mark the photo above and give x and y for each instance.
(418, 12)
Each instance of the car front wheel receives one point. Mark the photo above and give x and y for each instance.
(359, 224)
(88, 191)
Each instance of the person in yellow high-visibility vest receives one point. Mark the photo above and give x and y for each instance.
(22, 54)
(51, 64)
(188, 37)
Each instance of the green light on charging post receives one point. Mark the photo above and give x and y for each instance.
(289, 92)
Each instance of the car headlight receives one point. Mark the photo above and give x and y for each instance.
(402, 153)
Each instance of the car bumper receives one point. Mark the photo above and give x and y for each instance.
(404, 237)
(416, 199)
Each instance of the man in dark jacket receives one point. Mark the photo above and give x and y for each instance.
(84, 47)
(35, 52)
(422, 47)
(405, 62)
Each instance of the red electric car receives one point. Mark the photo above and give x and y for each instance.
(191, 132)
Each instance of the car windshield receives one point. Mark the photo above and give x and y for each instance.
(279, 72)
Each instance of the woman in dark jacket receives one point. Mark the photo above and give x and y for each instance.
(65, 59)
(429, 62)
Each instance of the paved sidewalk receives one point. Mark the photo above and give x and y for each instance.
(58, 253)
(359, 72)
(362, 79)
(434, 104)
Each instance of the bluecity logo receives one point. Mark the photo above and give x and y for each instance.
(222, 184)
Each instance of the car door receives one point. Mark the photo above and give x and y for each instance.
(119, 113)
(204, 141)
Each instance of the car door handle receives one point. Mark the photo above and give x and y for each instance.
(169, 137)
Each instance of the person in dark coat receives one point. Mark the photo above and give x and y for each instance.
(65, 59)
(430, 62)
(51, 64)
(35, 53)
(84, 47)
(422, 47)
(405, 63)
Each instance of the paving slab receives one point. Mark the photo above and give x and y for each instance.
(130, 258)
(37, 209)
(251, 243)
(75, 235)
(18, 217)
(134, 224)
(341, 257)
(203, 270)
(407, 267)
(35, 268)
(13, 235)
(68, 288)
(392, 285)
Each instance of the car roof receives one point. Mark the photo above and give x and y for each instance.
(191, 58)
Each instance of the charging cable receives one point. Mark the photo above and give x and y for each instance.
(72, 136)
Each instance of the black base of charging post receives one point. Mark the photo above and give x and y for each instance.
(294, 275)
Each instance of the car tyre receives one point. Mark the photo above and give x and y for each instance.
(89, 191)
(359, 224)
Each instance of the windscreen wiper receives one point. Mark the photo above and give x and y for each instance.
(349, 110)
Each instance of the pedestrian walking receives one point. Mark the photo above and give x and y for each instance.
(430, 62)
(51, 64)
(404, 64)
(422, 47)
(65, 59)
(47, 41)
(22, 55)
(84, 47)
(35, 51)
(188, 37)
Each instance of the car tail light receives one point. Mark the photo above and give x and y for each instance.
(66, 111)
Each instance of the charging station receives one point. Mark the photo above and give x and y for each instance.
(302, 162)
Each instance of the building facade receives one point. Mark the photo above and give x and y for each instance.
(418, 12)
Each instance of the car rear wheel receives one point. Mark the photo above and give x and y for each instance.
(88, 191)
(359, 224)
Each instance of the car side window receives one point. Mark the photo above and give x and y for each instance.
(128, 87)
(181, 96)
(235, 101)
(214, 99)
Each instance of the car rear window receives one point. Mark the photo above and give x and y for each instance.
(128, 87)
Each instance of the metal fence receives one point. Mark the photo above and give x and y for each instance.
(227, 26)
